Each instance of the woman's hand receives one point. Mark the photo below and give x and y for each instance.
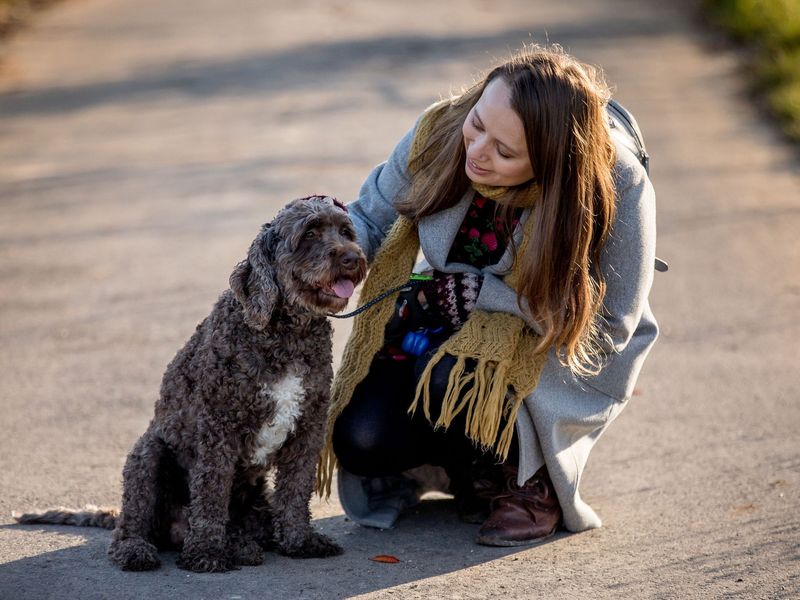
(451, 295)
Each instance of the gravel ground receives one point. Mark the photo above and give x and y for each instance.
(143, 144)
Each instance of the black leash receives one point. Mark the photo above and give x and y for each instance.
(400, 288)
(406, 287)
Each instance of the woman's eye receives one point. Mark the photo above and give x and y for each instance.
(503, 155)
(476, 125)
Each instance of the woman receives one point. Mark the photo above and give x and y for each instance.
(522, 335)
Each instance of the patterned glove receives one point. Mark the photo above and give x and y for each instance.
(453, 295)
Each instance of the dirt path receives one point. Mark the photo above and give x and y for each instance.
(142, 145)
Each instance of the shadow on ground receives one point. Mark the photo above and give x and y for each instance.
(428, 542)
(303, 69)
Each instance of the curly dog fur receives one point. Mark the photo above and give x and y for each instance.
(247, 395)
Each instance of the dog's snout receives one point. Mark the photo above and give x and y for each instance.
(348, 259)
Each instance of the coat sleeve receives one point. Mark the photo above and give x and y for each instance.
(628, 258)
(373, 212)
(628, 265)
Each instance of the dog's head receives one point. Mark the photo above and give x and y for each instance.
(307, 254)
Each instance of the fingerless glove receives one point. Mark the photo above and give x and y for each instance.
(453, 295)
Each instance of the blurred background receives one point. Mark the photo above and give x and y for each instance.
(142, 145)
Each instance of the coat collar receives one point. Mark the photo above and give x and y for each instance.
(438, 231)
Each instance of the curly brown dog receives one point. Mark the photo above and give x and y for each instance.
(248, 393)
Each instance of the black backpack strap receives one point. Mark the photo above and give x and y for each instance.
(625, 130)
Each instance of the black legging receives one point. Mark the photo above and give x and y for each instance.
(375, 435)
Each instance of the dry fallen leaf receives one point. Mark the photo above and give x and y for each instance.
(385, 558)
(744, 508)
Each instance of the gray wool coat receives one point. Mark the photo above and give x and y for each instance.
(559, 422)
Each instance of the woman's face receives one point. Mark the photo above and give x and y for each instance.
(494, 139)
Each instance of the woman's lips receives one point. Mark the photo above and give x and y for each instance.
(476, 169)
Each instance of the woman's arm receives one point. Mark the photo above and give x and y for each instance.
(628, 258)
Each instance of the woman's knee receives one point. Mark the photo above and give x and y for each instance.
(355, 437)
(368, 441)
(363, 450)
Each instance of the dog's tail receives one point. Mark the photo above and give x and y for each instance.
(90, 516)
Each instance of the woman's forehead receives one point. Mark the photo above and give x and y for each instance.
(496, 114)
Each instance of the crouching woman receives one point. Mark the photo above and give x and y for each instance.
(518, 337)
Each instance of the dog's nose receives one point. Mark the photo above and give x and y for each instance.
(348, 259)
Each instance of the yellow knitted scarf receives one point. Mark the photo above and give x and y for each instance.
(503, 347)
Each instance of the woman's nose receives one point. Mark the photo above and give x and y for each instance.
(477, 150)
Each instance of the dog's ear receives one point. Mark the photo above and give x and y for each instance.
(253, 281)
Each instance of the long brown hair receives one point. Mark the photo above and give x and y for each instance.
(561, 103)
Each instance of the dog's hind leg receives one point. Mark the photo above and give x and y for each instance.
(244, 547)
(259, 524)
(132, 545)
(172, 505)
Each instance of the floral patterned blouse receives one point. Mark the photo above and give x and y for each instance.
(482, 238)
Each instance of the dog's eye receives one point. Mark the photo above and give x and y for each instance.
(347, 232)
(310, 234)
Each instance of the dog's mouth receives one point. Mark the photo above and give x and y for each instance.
(341, 288)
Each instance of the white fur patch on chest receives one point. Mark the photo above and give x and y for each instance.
(288, 394)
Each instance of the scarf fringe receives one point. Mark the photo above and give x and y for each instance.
(484, 393)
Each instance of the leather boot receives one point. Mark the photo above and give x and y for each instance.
(521, 515)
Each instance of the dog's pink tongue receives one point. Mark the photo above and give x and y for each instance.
(343, 288)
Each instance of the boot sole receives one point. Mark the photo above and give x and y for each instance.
(485, 540)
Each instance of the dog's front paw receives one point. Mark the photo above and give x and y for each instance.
(134, 554)
(248, 553)
(315, 545)
(205, 559)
